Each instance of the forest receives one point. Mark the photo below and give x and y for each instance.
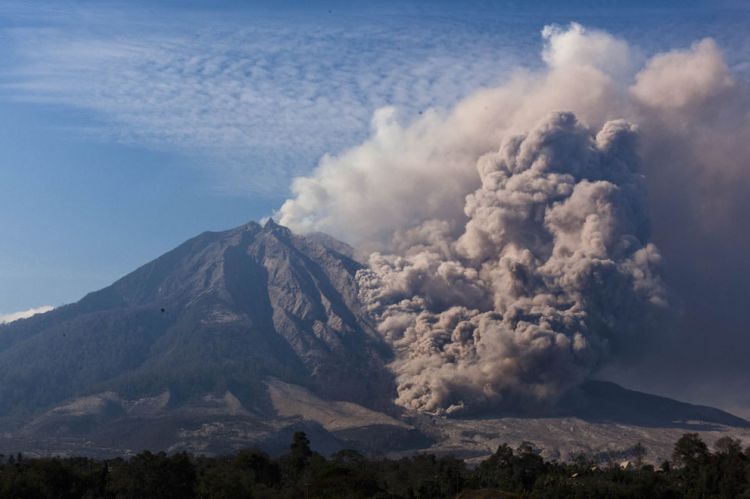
(694, 471)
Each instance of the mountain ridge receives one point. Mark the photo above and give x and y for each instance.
(250, 280)
(239, 337)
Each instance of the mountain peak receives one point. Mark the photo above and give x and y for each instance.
(270, 224)
(223, 310)
(251, 226)
(274, 228)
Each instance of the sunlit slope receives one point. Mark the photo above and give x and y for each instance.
(220, 312)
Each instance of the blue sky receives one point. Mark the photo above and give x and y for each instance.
(129, 127)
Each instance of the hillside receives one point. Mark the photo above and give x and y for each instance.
(218, 313)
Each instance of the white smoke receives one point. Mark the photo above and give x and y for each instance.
(513, 231)
(404, 175)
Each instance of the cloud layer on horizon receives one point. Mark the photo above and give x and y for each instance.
(24, 314)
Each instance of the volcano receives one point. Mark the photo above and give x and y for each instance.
(239, 338)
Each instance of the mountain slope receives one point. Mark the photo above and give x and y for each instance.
(220, 312)
(604, 401)
(239, 338)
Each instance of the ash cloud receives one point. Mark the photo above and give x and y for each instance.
(513, 249)
(551, 270)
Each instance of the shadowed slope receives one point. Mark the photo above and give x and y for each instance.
(607, 402)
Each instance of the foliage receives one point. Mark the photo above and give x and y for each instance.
(694, 472)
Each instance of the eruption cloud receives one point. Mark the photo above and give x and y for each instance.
(552, 267)
(508, 240)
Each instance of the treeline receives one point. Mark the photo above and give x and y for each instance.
(693, 472)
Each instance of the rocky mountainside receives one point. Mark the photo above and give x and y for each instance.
(221, 312)
(239, 338)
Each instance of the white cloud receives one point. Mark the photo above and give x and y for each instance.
(579, 46)
(264, 97)
(24, 314)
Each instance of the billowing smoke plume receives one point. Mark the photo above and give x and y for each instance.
(513, 231)
(552, 267)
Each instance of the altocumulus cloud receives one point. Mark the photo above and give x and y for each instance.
(259, 98)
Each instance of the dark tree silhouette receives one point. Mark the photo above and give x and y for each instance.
(690, 451)
(302, 473)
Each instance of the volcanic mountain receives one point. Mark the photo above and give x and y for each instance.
(241, 337)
